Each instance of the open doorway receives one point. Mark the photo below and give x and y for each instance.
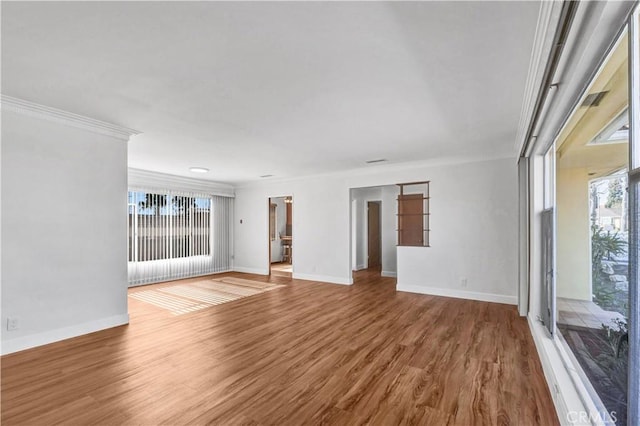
(281, 236)
(373, 232)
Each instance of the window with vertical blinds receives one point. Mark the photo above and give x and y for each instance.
(177, 234)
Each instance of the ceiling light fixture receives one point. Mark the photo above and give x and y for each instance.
(198, 170)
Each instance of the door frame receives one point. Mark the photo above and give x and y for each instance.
(269, 202)
(269, 242)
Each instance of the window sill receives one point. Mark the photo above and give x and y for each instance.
(574, 405)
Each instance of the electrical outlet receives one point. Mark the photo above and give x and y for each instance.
(12, 323)
(463, 282)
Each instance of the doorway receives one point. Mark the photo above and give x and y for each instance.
(281, 236)
(374, 230)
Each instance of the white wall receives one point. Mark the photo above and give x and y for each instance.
(573, 259)
(474, 226)
(474, 223)
(321, 228)
(64, 204)
(389, 234)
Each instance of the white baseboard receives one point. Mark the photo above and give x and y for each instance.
(51, 336)
(390, 274)
(322, 278)
(360, 267)
(257, 271)
(459, 294)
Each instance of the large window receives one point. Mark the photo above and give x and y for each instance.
(177, 234)
(595, 203)
(590, 181)
(165, 226)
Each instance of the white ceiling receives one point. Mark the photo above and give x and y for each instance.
(282, 88)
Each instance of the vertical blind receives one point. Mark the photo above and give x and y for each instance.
(177, 234)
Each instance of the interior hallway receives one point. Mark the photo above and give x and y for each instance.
(304, 353)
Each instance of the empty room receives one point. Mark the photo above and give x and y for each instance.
(270, 213)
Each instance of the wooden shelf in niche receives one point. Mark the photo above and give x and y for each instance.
(413, 215)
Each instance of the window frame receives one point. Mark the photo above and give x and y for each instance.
(633, 404)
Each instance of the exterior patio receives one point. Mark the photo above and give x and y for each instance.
(584, 313)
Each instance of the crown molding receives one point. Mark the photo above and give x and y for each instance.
(31, 109)
(146, 179)
(548, 19)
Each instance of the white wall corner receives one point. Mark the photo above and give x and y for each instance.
(20, 106)
(390, 274)
(52, 336)
(323, 278)
(458, 294)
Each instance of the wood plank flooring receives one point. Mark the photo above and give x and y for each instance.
(306, 353)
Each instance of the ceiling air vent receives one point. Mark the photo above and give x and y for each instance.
(266, 176)
(593, 99)
(381, 160)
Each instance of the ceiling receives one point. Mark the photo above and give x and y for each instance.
(282, 88)
(574, 146)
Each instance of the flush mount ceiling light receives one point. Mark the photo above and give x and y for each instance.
(198, 170)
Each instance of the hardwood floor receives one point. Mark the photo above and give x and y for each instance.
(282, 269)
(307, 353)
